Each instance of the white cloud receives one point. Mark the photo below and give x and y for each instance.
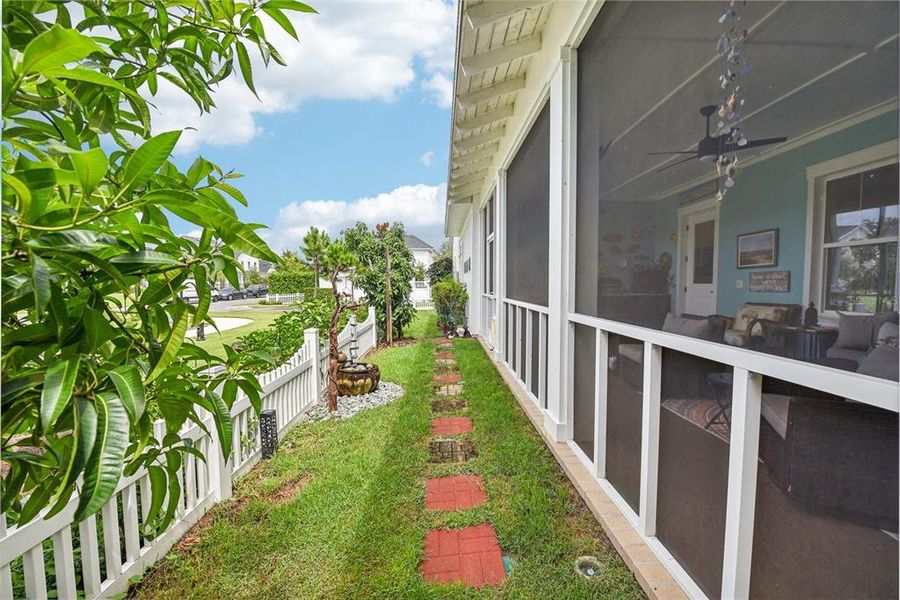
(439, 88)
(419, 207)
(350, 51)
(427, 158)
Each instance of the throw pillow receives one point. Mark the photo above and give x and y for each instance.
(855, 331)
(695, 328)
(887, 336)
(881, 362)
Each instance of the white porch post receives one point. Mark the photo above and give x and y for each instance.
(556, 418)
(475, 297)
(500, 262)
(740, 511)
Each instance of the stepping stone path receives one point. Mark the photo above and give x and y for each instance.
(470, 555)
(451, 426)
(448, 405)
(454, 493)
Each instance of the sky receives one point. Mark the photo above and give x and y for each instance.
(355, 128)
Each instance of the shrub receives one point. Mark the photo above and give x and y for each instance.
(284, 336)
(450, 299)
(440, 269)
(290, 282)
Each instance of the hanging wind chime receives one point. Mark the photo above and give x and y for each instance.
(730, 48)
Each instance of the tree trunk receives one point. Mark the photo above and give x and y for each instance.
(333, 348)
(388, 308)
(316, 275)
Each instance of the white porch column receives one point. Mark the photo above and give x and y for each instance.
(500, 262)
(475, 294)
(556, 418)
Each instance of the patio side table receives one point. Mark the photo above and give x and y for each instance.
(720, 385)
(808, 342)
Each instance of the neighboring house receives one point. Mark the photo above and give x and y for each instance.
(423, 254)
(656, 326)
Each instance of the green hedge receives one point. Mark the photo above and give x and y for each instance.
(290, 282)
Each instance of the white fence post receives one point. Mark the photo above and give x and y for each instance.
(220, 470)
(311, 341)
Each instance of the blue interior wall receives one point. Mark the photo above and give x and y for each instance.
(773, 193)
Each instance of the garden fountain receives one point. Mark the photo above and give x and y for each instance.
(353, 378)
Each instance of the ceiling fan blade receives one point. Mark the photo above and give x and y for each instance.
(753, 144)
(677, 162)
(674, 152)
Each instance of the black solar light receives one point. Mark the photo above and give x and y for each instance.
(268, 432)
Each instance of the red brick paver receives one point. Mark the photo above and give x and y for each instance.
(451, 425)
(470, 555)
(444, 355)
(454, 493)
(447, 378)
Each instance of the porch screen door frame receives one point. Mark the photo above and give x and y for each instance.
(688, 217)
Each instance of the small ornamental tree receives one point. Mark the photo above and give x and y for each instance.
(371, 268)
(450, 298)
(314, 244)
(93, 325)
(336, 259)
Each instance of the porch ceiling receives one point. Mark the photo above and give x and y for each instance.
(495, 40)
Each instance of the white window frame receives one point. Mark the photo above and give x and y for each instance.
(817, 178)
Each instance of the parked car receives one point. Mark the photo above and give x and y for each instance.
(189, 292)
(257, 290)
(231, 293)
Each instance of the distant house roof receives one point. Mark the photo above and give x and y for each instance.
(414, 243)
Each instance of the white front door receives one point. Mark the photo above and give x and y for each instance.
(700, 260)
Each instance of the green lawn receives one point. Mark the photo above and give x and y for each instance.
(260, 317)
(338, 513)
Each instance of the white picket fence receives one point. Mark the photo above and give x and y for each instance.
(284, 298)
(291, 390)
(425, 304)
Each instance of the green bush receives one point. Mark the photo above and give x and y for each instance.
(450, 299)
(290, 282)
(284, 336)
(440, 269)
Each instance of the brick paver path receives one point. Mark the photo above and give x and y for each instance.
(454, 493)
(440, 355)
(447, 378)
(451, 425)
(470, 555)
(450, 390)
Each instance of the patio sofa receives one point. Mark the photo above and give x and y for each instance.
(756, 325)
(833, 456)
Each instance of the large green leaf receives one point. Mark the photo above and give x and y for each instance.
(149, 157)
(280, 18)
(173, 342)
(157, 477)
(128, 382)
(246, 69)
(55, 48)
(88, 76)
(289, 5)
(107, 460)
(85, 433)
(222, 418)
(58, 385)
(90, 167)
(40, 283)
(145, 257)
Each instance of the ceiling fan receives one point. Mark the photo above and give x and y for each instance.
(711, 147)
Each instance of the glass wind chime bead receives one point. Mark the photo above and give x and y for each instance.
(730, 47)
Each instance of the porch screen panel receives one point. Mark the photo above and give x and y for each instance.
(826, 497)
(527, 212)
(585, 367)
(624, 405)
(654, 237)
(694, 431)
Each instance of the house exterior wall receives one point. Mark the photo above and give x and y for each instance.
(569, 359)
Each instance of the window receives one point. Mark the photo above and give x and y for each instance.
(487, 217)
(859, 249)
